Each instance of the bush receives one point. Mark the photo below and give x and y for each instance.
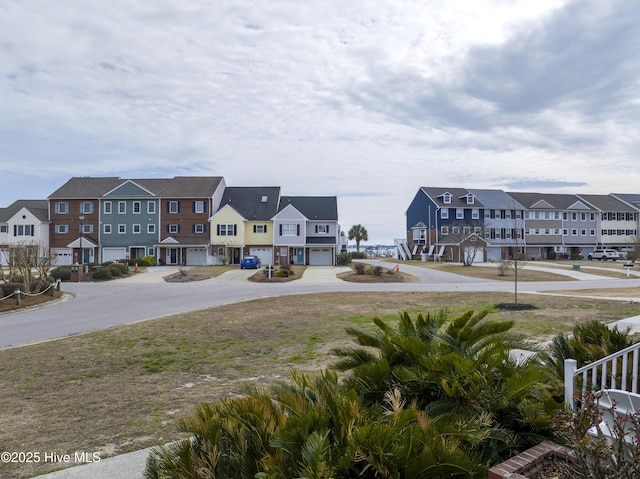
(359, 255)
(63, 273)
(343, 258)
(103, 274)
(147, 261)
(360, 268)
(115, 271)
(377, 270)
(9, 288)
(283, 273)
(121, 268)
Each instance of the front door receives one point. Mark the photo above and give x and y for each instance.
(172, 256)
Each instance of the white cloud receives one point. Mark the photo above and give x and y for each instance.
(349, 98)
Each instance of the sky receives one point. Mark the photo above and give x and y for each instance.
(366, 100)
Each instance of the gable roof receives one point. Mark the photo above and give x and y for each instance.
(38, 208)
(607, 203)
(495, 199)
(457, 195)
(314, 208)
(631, 199)
(248, 201)
(176, 187)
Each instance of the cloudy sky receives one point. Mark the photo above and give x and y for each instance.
(363, 99)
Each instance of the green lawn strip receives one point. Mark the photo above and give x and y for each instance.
(121, 389)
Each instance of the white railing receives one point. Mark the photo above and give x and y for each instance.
(403, 249)
(616, 371)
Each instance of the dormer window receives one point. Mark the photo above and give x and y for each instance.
(264, 199)
(446, 198)
(471, 199)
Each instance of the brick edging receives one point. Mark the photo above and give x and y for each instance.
(512, 468)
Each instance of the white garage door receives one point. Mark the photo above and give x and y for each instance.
(62, 256)
(196, 257)
(478, 255)
(265, 255)
(113, 254)
(320, 257)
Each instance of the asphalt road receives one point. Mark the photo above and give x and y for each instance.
(96, 306)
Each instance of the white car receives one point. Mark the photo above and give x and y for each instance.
(604, 254)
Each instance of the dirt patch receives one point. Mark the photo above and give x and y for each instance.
(10, 304)
(386, 276)
(515, 306)
(293, 274)
(185, 278)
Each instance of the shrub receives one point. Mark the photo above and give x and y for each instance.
(102, 274)
(115, 271)
(63, 273)
(360, 268)
(343, 258)
(122, 268)
(377, 270)
(282, 273)
(359, 255)
(147, 261)
(9, 288)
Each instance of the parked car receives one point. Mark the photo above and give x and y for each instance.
(250, 262)
(604, 254)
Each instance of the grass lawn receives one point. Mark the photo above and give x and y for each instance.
(121, 389)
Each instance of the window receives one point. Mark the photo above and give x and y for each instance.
(475, 214)
(87, 229)
(62, 207)
(518, 214)
(151, 207)
(498, 214)
(459, 214)
(60, 229)
(107, 207)
(122, 207)
(173, 228)
(106, 229)
(4, 228)
(226, 230)
(444, 230)
(198, 228)
(289, 230)
(151, 228)
(565, 232)
(583, 216)
(86, 207)
(137, 208)
(574, 232)
(592, 232)
(592, 216)
(455, 230)
(259, 228)
(507, 214)
(173, 207)
(198, 207)
(466, 230)
(444, 213)
(22, 230)
(322, 229)
(471, 199)
(136, 229)
(477, 229)
(122, 229)
(583, 232)
(151, 251)
(446, 198)
(574, 216)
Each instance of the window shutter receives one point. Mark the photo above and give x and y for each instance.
(204, 206)
(297, 230)
(168, 229)
(280, 230)
(193, 206)
(32, 230)
(168, 206)
(204, 228)
(234, 230)
(218, 229)
(178, 228)
(316, 229)
(255, 228)
(15, 230)
(178, 207)
(265, 228)
(193, 228)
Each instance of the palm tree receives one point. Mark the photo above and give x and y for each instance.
(358, 233)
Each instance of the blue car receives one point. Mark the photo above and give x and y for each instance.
(250, 262)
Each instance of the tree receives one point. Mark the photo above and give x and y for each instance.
(358, 233)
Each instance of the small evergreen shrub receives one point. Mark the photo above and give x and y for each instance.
(103, 274)
(282, 273)
(343, 258)
(360, 268)
(377, 270)
(359, 255)
(9, 288)
(63, 273)
(115, 271)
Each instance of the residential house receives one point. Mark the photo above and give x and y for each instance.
(617, 225)
(243, 224)
(24, 223)
(109, 218)
(557, 224)
(306, 230)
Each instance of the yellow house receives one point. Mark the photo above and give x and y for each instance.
(242, 224)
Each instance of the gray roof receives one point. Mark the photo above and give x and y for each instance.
(178, 187)
(39, 209)
(314, 208)
(607, 203)
(632, 199)
(435, 193)
(495, 199)
(248, 201)
(556, 200)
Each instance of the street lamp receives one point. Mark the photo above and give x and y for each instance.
(81, 252)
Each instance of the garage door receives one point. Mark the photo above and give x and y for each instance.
(320, 257)
(265, 255)
(62, 256)
(113, 254)
(196, 257)
(478, 254)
